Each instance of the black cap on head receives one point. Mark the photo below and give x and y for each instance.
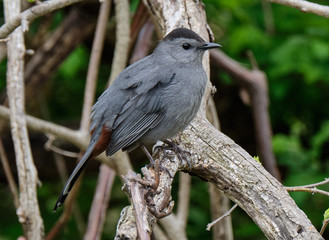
(183, 33)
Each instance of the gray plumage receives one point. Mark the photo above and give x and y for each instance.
(152, 99)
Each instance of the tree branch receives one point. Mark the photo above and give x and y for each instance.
(94, 62)
(9, 175)
(305, 6)
(24, 18)
(76, 138)
(122, 38)
(255, 82)
(99, 206)
(28, 211)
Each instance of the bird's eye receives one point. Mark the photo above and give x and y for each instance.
(186, 46)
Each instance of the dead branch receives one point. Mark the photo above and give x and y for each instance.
(76, 138)
(210, 225)
(255, 82)
(324, 225)
(219, 206)
(219, 160)
(9, 175)
(183, 204)
(99, 205)
(122, 38)
(310, 188)
(28, 211)
(305, 6)
(24, 18)
(94, 62)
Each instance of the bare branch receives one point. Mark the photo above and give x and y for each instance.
(9, 175)
(324, 225)
(144, 228)
(210, 225)
(28, 211)
(122, 38)
(183, 204)
(317, 184)
(309, 190)
(219, 205)
(305, 6)
(94, 61)
(32, 13)
(74, 137)
(97, 212)
(255, 82)
(50, 147)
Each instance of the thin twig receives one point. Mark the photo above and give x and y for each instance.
(122, 38)
(32, 13)
(311, 188)
(324, 225)
(99, 205)
(94, 61)
(74, 137)
(220, 218)
(50, 147)
(317, 184)
(306, 189)
(106, 176)
(9, 175)
(305, 6)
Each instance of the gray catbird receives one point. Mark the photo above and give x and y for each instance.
(152, 99)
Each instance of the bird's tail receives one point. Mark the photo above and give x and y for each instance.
(74, 176)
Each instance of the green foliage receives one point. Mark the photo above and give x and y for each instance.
(257, 159)
(326, 215)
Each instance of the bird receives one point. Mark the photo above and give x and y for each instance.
(153, 99)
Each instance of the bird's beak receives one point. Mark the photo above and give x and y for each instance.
(209, 45)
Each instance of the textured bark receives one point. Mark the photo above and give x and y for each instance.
(28, 211)
(219, 160)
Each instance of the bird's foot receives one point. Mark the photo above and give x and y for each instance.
(170, 145)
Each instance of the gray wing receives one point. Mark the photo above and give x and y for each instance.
(139, 114)
(132, 105)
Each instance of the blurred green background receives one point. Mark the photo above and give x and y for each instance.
(291, 47)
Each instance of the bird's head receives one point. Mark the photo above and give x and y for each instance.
(184, 45)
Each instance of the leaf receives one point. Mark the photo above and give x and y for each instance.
(257, 159)
(326, 215)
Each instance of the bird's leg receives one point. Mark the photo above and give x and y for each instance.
(156, 167)
(181, 154)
